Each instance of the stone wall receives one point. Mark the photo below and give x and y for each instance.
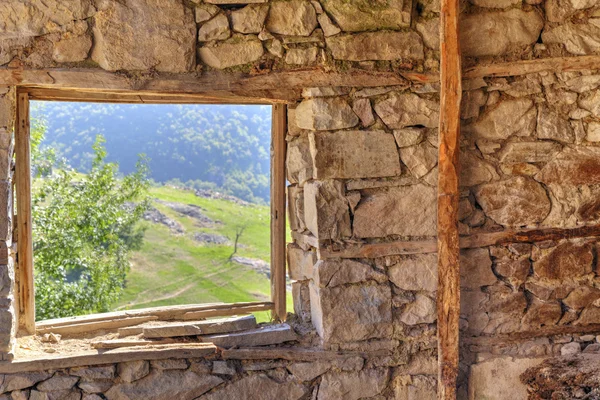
(362, 167)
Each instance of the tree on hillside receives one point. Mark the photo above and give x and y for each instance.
(84, 227)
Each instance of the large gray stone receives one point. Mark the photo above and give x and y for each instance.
(430, 32)
(498, 378)
(165, 385)
(415, 272)
(560, 10)
(144, 34)
(421, 311)
(326, 210)
(419, 159)
(407, 109)
(514, 202)
(252, 387)
(497, 33)
(214, 29)
(565, 261)
(300, 262)
(133, 370)
(325, 114)
(294, 18)
(476, 269)
(517, 152)
(21, 381)
(579, 39)
(249, 19)
(507, 118)
(405, 210)
(298, 161)
(354, 154)
(373, 46)
(332, 273)
(590, 101)
(475, 171)
(57, 382)
(232, 52)
(37, 17)
(572, 167)
(359, 16)
(551, 125)
(351, 313)
(353, 385)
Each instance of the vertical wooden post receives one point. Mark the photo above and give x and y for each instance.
(23, 196)
(448, 294)
(278, 201)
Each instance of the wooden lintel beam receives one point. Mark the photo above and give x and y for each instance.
(483, 239)
(448, 292)
(554, 64)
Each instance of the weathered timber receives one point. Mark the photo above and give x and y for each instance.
(130, 330)
(93, 357)
(483, 239)
(23, 197)
(166, 313)
(86, 327)
(448, 293)
(519, 337)
(235, 310)
(263, 336)
(207, 327)
(278, 208)
(241, 84)
(119, 343)
(555, 64)
(291, 354)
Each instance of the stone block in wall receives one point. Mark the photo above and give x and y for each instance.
(419, 159)
(293, 128)
(572, 167)
(325, 114)
(564, 262)
(476, 268)
(249, 19)
(216, 28)
(332, 273)
(6, 213)
(399, 110)
(415, 388)
(296, 208)
(499, 378)
(354, 17)
(474, 170)
(497, 33)
(405, 210)
(7, 328)
(415, 272)
(353, 385)
(8, 101)
(292, 18)
(351, 313)
(165, 385)
(7, 278)
(39, 17)
(143, 35)
(268, 388)
(577, 38)
(301, 299)
(23, 380)
(299, 163)
(326, 210)
(541, 314)
(373, 46)
(514, 202)
(552, 126)
(354, 154)
(420, 311)
(300, 262)
(529, 152)
(506, 118)
(232, 52)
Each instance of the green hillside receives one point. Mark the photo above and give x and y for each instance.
(173, 267)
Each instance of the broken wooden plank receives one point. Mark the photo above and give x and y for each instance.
(375, 250)
(207, 327)
(118, 343)
(130, 330)
(554, 64)
(166, 313)
(448, 293)
(263, 336)
(93, 357)
(95, 326)
(239, 309)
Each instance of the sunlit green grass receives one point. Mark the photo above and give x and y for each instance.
(171, 269)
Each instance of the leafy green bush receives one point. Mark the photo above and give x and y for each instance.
(84, 228)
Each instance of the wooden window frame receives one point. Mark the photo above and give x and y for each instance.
(24, 284)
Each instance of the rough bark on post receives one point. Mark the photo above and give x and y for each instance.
(448, 294)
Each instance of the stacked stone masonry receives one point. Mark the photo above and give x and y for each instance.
(362, 168)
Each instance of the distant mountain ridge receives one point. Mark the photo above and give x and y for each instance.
(225, 147)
